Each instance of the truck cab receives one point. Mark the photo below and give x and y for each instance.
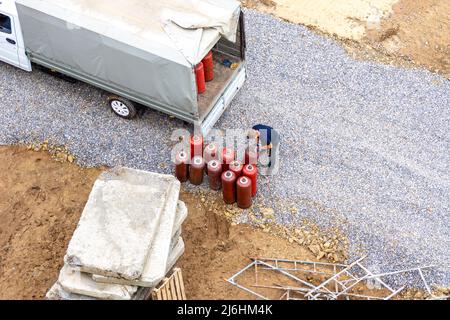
(12, 48)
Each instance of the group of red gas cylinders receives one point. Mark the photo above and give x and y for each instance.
(204, 72)
(238, 180)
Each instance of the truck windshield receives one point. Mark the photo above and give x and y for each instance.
(5, 24)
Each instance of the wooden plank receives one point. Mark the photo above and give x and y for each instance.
(181, 285)
(167, 286)
(169, 292)
(180, 279)
(164, 293)
(178, 287)
(172, 289)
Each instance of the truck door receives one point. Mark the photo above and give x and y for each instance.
(8, 43)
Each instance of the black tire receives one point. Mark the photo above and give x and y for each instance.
(122, 107)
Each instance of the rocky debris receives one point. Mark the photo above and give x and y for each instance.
(128, 237)
(325, 243)
(438, 292)
(329, 244)
(267, 213)
(58, 153)
(441, 291)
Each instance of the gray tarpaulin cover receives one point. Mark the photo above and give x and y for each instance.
(146, 46)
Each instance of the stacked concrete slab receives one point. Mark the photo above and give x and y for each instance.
(127, 239)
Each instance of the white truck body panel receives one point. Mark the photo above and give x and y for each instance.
(157, 43)
(12, 47)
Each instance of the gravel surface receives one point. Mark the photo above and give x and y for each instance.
(364, 146)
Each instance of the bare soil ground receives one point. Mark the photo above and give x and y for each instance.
(215, 250)
(41, 202)
(416, 31)
(400, 32)
(40, 205)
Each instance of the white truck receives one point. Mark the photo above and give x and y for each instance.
(141, 51)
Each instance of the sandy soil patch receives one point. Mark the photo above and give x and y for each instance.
(40, 205)
(400, 32)
(416, 31)
(343, 18)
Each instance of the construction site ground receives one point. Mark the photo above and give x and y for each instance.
(400, 32)
(42, 202)
(43, 195)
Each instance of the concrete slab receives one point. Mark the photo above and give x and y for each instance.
(143, 293)
(82, 284)
(175, 238)
(176, 253)
(181, 215)
(155, 266)
(56, 292)
(120, 220)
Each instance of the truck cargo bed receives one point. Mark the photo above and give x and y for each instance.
(222, 77)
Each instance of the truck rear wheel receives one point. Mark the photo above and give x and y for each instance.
(122, 107)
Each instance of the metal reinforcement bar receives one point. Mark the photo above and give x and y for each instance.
(338, 271)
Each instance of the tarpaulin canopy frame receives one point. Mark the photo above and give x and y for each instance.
(124, 53)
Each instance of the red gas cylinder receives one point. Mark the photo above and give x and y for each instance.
(196, 142)
(210, 153)
(182, 166)
(208, 65)
(196, 171)
(200, 78)
(251, 157)
(244, 192)
(236, 166)
(227, 156)
(251, 172)
(215, 174)
(229, 187)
